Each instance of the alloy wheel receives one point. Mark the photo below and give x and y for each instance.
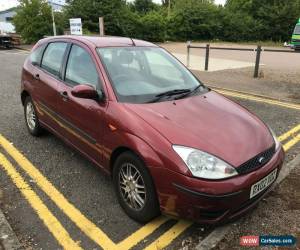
(132, 186)
(30, 116)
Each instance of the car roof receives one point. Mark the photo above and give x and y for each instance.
(105, 41)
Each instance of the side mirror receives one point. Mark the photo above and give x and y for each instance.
(85, 91)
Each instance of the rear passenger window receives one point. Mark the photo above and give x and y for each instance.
(36, 55)
(53, 57)
(81, 68)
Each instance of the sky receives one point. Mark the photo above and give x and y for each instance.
(216, 2)
(5, 4)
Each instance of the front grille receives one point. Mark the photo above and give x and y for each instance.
(257, 161)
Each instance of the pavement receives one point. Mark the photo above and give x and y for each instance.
(288, 62)
(215, 64)
(54, 198)
(274, 85)
(277, 214)
(8, 238)
(233, 70)
(26, 47)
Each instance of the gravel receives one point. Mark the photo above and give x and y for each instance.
(278, 214)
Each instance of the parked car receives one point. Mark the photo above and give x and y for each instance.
(170, 143)
(5, 41)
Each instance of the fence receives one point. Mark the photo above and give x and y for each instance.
(258, 51)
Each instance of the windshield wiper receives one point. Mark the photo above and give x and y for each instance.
(170, 93)
(188, 93)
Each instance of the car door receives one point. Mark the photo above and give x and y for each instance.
(45, 78)
(82, 120)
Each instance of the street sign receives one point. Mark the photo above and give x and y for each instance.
(75, 26)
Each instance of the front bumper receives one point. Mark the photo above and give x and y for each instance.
(295, 44)
(211, 201)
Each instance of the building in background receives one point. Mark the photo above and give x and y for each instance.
(57, 5)
(7, 15)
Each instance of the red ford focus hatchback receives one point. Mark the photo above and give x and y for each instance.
(171, 144)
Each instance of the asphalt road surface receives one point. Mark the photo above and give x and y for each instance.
(55, 196)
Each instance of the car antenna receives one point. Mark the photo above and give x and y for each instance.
(133, 43)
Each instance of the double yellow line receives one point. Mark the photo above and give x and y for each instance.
(294, 134)
(54, 226)
(258, 99)
(82, 222)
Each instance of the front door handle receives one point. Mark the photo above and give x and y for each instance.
(36, 77)
(64, 95)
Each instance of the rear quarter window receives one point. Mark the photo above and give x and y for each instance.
(36, 56)
(53, 57)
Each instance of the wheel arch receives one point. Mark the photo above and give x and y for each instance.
(24, 94)
(139, 148)
(116, 153)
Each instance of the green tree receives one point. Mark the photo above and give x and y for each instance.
(239, 27)
(153, 27)
(194, 19)
(277, 18)
(131, 25)
(261, 19)
(238, 20)
(144, 6)
(90, 10)
(238, 5)
(60, 22)
(33, 20)
(136, 20)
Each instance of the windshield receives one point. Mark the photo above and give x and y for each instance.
(297, 30)
(141, 74)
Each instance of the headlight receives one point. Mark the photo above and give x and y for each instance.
(277, 143)
(204, 165)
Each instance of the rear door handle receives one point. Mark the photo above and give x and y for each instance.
(36, 77)
(64, 95)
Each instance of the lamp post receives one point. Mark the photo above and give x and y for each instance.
(53, 20)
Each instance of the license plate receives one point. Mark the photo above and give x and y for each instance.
(263, 183)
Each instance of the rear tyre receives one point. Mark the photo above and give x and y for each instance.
(134, 187)
(31, 119)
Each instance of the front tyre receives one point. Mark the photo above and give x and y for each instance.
(135, 189)
(31, 118)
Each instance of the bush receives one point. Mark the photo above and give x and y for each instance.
(194, 20)
(90, 11)
(131, 24)
(33, 20)
(153, 27)
(238, 20)
(240, 27)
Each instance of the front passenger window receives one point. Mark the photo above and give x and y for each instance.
(81, 68)
(53, 57)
